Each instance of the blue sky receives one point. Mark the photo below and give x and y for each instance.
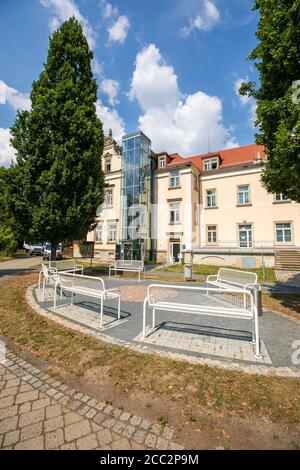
(168, 67)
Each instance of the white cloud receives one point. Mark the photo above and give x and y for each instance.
(111, 120)
(246, 100)
(13, 97)
(108, 10)
(173, 122)
(111, 88)
(205, 20)
(62, 11)
(118, 31)
(7, 153)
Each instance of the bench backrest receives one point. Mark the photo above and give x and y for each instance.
(236, 277)
(201, 298)
(128, 263)
(68, 280)
(61, 265)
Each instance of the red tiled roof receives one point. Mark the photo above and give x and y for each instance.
(230, 157)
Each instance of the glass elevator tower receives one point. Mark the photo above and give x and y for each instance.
(137, 196)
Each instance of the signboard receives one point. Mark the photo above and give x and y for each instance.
(83, 249)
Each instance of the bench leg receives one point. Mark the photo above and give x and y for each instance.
(257, 341)
(144, 317)
(72, 293)
(153, 318)
(119, 308)
(43, 295)
(101, 311)
(40, 275)
(55, 294)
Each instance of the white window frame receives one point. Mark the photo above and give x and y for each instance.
(284, 230)
(99, 230)
(174, 208)
(107, 161)
(248, 230)
(209, 162)
(112, 229)
(211, 232)
(174, 181)
(239, 193)
(282, 197)
(162, 162)
(209, 198)
(109, 200)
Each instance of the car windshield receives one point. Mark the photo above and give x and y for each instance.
(47, 246)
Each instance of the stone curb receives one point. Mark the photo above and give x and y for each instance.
(252, 369)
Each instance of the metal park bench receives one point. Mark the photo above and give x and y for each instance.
(67, 266)
(86, 286)
(233, 279)
(207, 301)
(128, 265)
(236, 279)
(50, 277)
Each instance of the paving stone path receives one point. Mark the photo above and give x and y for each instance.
(39, 412)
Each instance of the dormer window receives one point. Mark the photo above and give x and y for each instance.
(108, 165)
(162, 162)
(211, 164)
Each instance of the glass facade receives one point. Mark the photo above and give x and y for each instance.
(137, 192)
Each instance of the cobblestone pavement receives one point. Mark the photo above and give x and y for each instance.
(291, 278)
(39, 412)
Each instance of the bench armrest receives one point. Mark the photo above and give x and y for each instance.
(116, 289)
(212, 277)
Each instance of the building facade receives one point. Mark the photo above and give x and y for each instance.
(158, 205)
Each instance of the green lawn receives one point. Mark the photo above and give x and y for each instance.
(207, 269)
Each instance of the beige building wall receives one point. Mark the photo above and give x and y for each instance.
(186, 231)
(109, 214)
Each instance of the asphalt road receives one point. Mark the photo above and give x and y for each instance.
(18, 266)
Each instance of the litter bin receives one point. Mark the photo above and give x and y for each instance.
(188, 272)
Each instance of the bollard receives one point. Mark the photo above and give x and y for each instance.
(188, 272)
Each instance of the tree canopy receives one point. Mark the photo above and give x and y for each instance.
(277, 59)
(57, 184)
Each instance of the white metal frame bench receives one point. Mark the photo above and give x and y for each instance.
(88, 286)
(128, 265)
(233, 279)
(208, 301)
(67, 266)
(50, 277)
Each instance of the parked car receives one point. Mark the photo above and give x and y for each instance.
(47, 251)
(34, 249)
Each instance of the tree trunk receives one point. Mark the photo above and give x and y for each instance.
(53, 251)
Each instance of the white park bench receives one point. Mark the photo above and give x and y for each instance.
(128, 265)
(67, 266)
(87, 286)
(233, 279)
(206, 301)
(50, 277)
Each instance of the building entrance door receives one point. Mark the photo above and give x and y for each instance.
(127, 251)
(245, 236)
(174, 250)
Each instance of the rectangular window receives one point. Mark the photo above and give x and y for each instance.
(283, 233)
(211, 234)
(162, 162)
(99, 232)
(245, 236)
(109, 198)
(211, 198)
(108, 165)
(174, 213)
(211, 164)
(281, 197)
(112, 232)
(196, 182)
(244, 194)
(174, 179)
